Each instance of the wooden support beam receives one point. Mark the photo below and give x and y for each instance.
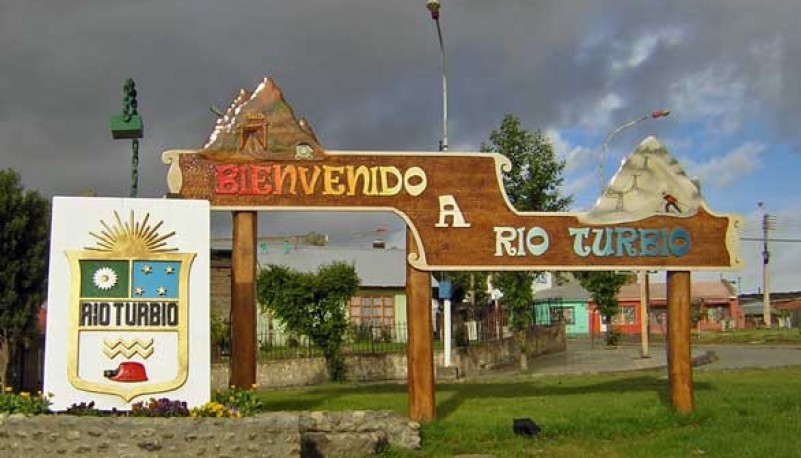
(420, 352)
(243, 300)
(679, 353)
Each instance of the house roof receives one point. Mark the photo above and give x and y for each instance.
(569, 291)
(377, 268)
(790, 304)
(710, 291)
(753, 307)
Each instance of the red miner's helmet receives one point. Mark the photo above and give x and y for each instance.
(128, 371)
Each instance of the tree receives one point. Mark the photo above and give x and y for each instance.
(312, 304)
(24, 222)
(604, 287)
(532, 184)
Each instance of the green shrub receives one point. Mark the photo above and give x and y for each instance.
(613, 337)
(24, 403)
(240, 401)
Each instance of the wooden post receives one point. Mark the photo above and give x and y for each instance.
(644, 299)
(243, 300)
(420, 349)
(679, 355)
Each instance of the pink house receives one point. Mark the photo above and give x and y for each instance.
(715, 307)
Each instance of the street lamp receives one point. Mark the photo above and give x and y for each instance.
(434, 8)
(642, 274)
(654, 115)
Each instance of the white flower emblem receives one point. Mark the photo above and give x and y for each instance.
(105, 278)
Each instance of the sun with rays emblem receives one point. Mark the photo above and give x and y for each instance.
(131, 237)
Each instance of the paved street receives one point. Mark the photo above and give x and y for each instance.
(735, 357)
(585, 357)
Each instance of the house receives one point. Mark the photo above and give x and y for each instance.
(789, 310)
(567, 303)
(379, 306)
(381, 299)
(785, 309)
(715, 302)
(753, 311)
(220, 272)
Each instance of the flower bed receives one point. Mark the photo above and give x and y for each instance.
(231, 427)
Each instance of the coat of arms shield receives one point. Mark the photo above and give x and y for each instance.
(128, 312)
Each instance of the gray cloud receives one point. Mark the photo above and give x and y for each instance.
(366, 73)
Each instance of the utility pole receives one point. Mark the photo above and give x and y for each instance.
(767, 223)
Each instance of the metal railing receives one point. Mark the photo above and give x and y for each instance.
(367, 339)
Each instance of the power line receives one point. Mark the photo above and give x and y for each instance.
(760, 239)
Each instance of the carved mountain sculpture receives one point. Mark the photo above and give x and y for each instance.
(261, 126)
(649, 182)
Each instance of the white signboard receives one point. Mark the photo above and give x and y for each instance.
(128, 302)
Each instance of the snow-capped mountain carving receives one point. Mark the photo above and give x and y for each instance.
(649, 182)
(261, 126)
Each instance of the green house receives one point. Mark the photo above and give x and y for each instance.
(568, 304)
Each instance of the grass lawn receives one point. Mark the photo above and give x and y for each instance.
(750, 336)
(738, 337)
(746, 413)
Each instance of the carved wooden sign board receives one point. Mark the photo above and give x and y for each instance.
(652, 215)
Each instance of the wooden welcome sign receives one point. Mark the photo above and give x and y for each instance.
(260, 157)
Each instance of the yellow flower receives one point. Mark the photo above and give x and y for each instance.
(24, 394)
(254, 386)
(9, 389)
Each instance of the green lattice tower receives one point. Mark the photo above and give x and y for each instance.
(129, 124)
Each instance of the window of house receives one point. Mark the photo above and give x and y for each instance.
(564, 315)
(373, 310)
(717, 314)
(626, 315)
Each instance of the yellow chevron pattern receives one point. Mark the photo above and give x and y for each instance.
(128, 349)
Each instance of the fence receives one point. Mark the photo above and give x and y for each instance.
(368, 339)
(360, 339)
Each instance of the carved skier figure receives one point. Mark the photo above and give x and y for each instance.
(670, 202)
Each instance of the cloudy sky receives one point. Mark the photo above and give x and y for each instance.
(366, 74)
